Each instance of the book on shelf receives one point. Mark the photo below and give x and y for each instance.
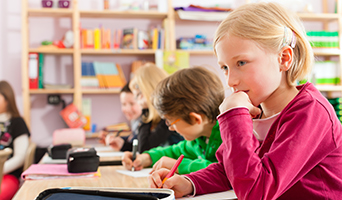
(129, 38)
(88, 79)
(86, 111)
(57, 86)
(117, 38)
(33, 67)
(175, 60)
(73, 117)
(117, 127)
(110, 75)
(40, 71)
(97, 38)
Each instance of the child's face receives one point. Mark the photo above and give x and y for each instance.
(249, 68)
(129, 106)
(188, 131)
(139, 97)
(3, 104)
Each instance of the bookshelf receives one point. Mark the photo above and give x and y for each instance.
(76, 15)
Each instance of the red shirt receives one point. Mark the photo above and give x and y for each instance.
(300, 158)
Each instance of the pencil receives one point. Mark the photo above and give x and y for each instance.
(135, 148)
(174, 168)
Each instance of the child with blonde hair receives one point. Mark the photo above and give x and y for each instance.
(279, 140)
(152, 131)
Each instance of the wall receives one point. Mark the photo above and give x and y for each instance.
(45, 117)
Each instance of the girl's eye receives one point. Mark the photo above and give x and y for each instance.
(241, 63)
(224, 68)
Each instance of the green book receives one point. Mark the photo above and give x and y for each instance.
(40, 71)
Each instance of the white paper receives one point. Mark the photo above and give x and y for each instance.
(218, 195)
(103, 148)
(110, 154)
(48, 160)
(142, 173)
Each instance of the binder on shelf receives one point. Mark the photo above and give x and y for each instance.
(33, 67)
(41, 71)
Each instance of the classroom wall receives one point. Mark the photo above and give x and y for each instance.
(45, 117)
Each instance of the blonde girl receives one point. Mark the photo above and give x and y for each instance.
(153, 131)
(279, 140)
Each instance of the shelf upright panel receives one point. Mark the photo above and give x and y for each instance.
(24, 63)
(77, 55)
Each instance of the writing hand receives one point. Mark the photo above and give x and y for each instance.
(180, 185)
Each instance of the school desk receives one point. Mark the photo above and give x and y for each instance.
(109, 178)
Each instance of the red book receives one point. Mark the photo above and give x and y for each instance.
(33, 70)
(73, 117)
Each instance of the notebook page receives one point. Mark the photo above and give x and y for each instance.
(141, 173)
(218, 195)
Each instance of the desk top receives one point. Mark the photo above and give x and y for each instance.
(109, 178)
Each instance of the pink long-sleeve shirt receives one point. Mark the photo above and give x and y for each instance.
(300, 158)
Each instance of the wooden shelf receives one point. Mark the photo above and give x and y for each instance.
(198, 52)
(318, 16)
(52, 91)
(327, 52)
(50, 12)
(329, 88)
(118, 51)
(101, 91)
(51, 51)
(123, 14)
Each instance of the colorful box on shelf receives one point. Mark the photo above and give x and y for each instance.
(61, 3)
(326, 73)
(323, 39)
(47, 3)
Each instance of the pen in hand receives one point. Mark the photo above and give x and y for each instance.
(173, 169)
(135, 148)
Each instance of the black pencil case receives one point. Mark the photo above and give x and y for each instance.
(58, 151)
(82, 160)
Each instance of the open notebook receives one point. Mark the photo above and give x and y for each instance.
(53, 171)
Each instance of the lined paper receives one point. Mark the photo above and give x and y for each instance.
(142, 173)
(218, 195)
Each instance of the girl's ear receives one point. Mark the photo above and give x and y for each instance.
(195, 118)
(285, 58)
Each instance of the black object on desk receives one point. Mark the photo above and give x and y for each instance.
(82, 160)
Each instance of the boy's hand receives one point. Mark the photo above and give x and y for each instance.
(164, 162)
(102, 137)
(115, 142)
(179, 184)
(141, 161)
(239, 99)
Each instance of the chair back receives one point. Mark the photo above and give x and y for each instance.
(29, 157)
(4, 154)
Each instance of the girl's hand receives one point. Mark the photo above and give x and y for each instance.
(179, 184)
(115, 142)
(239, 99)
(141, 161)
(164, 162)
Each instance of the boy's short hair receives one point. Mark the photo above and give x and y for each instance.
(189, 90)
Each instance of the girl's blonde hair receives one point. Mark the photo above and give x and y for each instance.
(145, 80)
(270, 26)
